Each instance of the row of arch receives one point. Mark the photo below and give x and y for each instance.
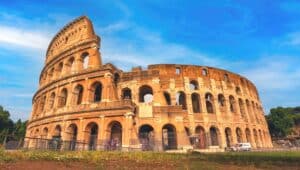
(68, 66)
(146, 135)
(146, 95)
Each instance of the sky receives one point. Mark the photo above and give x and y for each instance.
(259, 39)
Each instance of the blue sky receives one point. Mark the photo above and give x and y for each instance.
(258, 39)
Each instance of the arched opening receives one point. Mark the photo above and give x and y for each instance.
(42, 104)
(196, 102)
(232, 104)
(209, 103)
(238, 90)
(97, 91)
(56, 141)
(146, 137)
(200, 140)
(71, 65)
(214, 141)
(63, 98)
(249, 110)
(116, 79)
(45, 133)
(115, 135)
(51, 74)
(51, 100)
(145, 94)
(256, 138)
(78, 94)
(221, 101)
(91, 135)
(194, 85)
(85, 60)
(248, 135)
(126, 93)
(229, 140)
(169, 137)
(59, 69)
(226, 78)
(239, 135)
(72, 136)
(242, 109)
(167, 98)
(181, 99)
(204, 72)
(261, 138)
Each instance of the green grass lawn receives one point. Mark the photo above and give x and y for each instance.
(264, 160)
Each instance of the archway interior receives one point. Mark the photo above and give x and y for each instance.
(200, 141)
(228, 137)
(146, 137)
(169, 137)
(116, 135)
(214, 136)
(93, 136)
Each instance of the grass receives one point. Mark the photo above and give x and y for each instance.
(196, 160)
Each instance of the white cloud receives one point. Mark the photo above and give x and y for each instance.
(24, 38)
(274, 73)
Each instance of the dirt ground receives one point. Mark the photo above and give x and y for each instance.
(112, 165)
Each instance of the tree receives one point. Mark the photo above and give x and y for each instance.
(280, 122)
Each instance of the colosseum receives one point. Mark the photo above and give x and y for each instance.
(84, 104)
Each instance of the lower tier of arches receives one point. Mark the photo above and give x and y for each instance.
(126, 133)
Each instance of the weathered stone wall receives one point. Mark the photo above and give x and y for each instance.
(179, 106)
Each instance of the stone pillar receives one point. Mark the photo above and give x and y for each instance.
(94, 57)
(109, 92)
(127, 131)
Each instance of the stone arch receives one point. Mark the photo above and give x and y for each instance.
(96, 91)
(226, 78)
(249, 110)
(204, 72)
(248, 135)
(145, 94)
(42, 104)
(60, 69)
(116, 131)
(116, 79)
(57, 132)
(194, 85)
(196, 102)
(260, 138)
(221, 101)
(232, 104)
(71, 65)
(209, 100)
(228, 135)
(126, 93)
(51, 74)
(242, 109)
(63, 98)
(78, 94)
(169, 137)
(71, 136)
(85, 60)
(200, 142)
(45, 133)
(181, 99)
(51, 100)
(239, 135)
(91, 135)
(214, 134)
(146, 137)
(256, 138)
(238, 90)
(167, 98)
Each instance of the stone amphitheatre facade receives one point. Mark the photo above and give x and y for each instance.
(83, 104)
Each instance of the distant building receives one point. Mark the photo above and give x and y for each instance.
(84, 104)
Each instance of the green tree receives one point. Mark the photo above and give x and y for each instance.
(280, 122)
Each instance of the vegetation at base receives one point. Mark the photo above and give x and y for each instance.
(9, 128)
(146, 158)
(281, 120)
